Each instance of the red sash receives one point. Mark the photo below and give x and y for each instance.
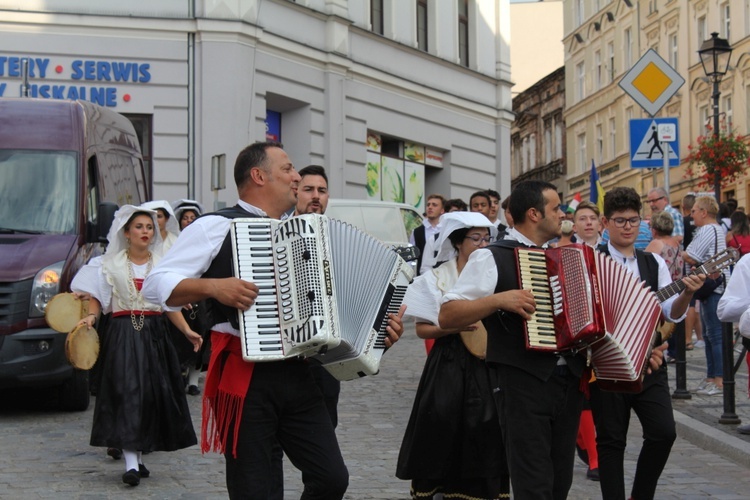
(227, 381)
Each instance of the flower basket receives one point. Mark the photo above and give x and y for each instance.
(726, 153)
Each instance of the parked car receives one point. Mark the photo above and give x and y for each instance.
(392, 223)
(65, 167)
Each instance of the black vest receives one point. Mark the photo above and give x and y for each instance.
(222, 267)
(647, 266)
(506, 343)
(419, 241)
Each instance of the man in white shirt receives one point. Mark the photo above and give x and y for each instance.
(425, 235)
(734, 306)
(536, 392)
(245, 420)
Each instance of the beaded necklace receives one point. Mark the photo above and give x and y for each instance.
(136, 299)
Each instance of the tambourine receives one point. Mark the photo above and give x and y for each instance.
(475, 341)
(64, 311)
(82, 347)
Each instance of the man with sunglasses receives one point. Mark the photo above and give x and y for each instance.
(622, 207)
(658, 200)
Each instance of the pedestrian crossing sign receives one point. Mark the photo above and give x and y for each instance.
(645, 149)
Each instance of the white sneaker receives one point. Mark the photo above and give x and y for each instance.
(715, 391)
(699, 344)
(709, 390)
(701, 387)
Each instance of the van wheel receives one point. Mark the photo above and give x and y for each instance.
(74, 394)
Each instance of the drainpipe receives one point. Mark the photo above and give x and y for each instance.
(191, 104)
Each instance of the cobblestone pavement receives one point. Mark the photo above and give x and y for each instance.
(45, 453)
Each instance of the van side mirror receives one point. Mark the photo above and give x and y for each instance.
(107, 211)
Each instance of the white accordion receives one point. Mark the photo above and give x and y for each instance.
(325, 291)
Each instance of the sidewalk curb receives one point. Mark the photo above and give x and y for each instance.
(711, 439)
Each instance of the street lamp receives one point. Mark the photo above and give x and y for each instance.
(715, 54)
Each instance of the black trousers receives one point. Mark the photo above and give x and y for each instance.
(539, 422)
(653, 406)
(284, 406)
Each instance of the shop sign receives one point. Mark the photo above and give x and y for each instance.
(97, 77)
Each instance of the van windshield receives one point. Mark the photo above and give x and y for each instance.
(38, 191)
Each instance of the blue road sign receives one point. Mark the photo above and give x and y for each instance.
(645, 149)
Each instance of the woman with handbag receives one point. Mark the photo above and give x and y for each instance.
(709, 240)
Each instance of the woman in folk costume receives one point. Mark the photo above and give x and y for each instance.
(141, 404)
(186, 211)
(453, 443)
(169, 225)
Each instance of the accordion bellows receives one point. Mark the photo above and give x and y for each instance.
(631, 312)
(325, 291)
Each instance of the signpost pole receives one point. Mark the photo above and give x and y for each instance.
(665, 148)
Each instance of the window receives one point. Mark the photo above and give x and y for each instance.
(726, 107)
(463, 32)
(628, 48)
(516, 158)
(673, 50)
(703, 119)
(579, 12)
(525, 154)
(598, 69)
(599, 145)
(422, 25)
(629, 114)
(581, 80)
(726, 22)
(142, 126)
(548, 143)
(532, 151)
(582, 151)
(559, 140)
(611, 58)
(702, 31)
(612, 138)
(376, 16)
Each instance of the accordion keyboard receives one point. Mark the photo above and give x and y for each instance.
(257, 266)
(532, 266)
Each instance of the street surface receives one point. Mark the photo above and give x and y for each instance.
(45, 453)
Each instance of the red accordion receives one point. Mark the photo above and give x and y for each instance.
(587, 300)
(569, 312)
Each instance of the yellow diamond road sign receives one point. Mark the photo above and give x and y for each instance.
(651, 82)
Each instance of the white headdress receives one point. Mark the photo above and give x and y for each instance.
(453, 221)
(116, 235)
(173, 225)
(180, 206)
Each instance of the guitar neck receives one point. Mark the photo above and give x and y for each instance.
(672, 289)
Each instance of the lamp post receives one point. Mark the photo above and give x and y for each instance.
(715, 54)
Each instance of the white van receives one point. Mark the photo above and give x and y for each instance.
(392, 223)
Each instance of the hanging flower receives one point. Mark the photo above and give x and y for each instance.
(726, 153)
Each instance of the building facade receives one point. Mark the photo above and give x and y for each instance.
(396, 99)
(538, 133)
(603, 40)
